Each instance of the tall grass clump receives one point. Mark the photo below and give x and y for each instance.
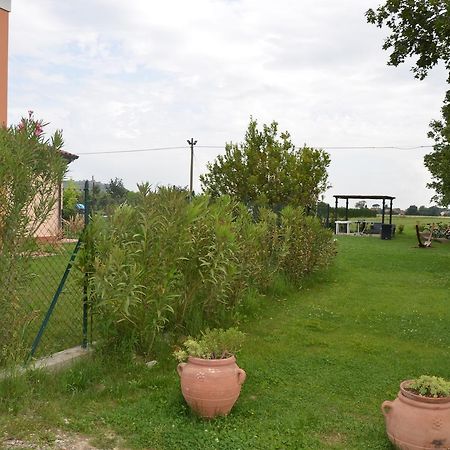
(167, 267)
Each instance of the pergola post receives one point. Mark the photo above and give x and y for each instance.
(336, 210)
(390, 213)
(346, 209)
(382, 214)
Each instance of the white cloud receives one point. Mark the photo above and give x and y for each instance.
(142, 74)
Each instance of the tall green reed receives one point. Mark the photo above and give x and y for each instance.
(167, 267)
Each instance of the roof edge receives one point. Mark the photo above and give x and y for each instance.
(68, 156)
(366, 197)
(5, 5)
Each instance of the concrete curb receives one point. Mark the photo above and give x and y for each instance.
(52, 363)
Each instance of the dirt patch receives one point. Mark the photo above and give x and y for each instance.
(62, 441)
(333, 438)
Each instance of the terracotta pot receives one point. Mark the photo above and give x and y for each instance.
(414, 422)
(211, 386)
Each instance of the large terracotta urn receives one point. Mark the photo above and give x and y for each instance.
(414, 422)
(211, 386)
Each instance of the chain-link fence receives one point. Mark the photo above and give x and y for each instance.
(44, 305)
(56, 285)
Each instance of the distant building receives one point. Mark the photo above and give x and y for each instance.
(51, 229)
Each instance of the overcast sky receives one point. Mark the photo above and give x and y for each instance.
(118, 75)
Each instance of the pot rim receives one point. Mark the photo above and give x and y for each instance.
(418, 397)
(212, 362)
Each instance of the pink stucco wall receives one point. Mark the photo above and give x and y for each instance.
(51, 228)
(3, 65)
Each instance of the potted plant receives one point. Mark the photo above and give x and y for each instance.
(419, 418)
(210, 379)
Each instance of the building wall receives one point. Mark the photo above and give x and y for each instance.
(51, 228)
(3, 65)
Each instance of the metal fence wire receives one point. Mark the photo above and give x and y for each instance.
(54, 296)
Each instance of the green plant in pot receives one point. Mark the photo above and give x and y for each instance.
(419, 418)
(210, 379)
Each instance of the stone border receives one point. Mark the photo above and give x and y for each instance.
(52, 363)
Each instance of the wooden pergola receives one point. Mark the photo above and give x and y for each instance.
(365, 197)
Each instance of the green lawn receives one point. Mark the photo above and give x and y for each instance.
(320, 360)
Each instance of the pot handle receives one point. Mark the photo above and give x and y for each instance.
(386, 407)
(241, 376)
(180, 368)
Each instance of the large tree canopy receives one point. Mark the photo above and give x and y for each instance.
(421, 29)
(438, 162)
(267, 170)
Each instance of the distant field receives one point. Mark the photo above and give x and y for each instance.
(409, 222)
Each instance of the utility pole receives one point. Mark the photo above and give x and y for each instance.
(191, 184)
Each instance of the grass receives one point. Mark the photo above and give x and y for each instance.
(320, 360)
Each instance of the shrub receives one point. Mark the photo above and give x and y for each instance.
(167, 267)
(164, 265)
(307, 245)
(31, 168)
(260, 249)
(400, 228)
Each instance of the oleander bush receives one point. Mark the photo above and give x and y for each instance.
(308, 246)
(167, 268)
(31, 169)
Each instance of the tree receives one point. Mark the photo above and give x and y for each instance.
(361, 204)
(412, 211)
(421, 28)
(117, 190)
(267, 170)
(438, 162)
(71, 195)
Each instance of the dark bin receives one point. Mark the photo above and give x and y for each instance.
(376, 228)
(387, 230)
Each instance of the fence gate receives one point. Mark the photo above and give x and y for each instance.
(57, 294)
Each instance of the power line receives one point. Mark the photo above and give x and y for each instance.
(136, 150)
(325, 147)
(345, 147)
(375, 147)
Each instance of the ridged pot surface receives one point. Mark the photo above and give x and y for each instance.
(211, 386)
(414, 422)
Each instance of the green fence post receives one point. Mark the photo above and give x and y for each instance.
(44, 324)
(86, 275)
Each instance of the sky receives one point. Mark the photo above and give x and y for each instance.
(116, 75)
